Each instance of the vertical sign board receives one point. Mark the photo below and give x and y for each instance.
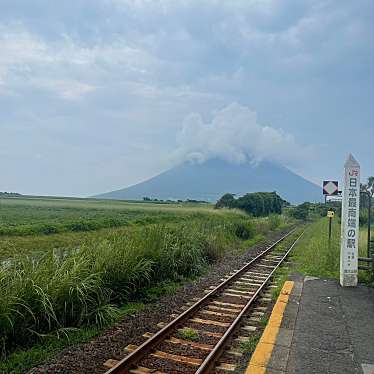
(350, 223)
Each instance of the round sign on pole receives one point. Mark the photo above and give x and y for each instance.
(330, 214)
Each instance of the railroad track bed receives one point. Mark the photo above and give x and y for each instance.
(207, 333)
(88, 358)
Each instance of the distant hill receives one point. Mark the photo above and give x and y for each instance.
(210, 180)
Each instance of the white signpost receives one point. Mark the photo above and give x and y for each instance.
(350, 223)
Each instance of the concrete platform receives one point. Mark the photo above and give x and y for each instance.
(325, 329)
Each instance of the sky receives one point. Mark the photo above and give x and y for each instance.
(96, 95)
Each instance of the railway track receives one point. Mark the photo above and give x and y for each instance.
(195, 340)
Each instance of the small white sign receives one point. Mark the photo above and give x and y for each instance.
(330, 214)
(350, 223)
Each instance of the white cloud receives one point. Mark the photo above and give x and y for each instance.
(104, 77)
(234, 135)
(18, 50)
(67, 89)
(65, 66)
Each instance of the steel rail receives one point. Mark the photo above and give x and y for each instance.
(210, 361)
(126, 364)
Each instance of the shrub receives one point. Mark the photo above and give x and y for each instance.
(82, 225)
(257, 204)
(274, 221)
(244, 231)
(48, 229)
(301, 212)
(226, 201)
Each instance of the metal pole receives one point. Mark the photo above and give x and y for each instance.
(330, 225)
(369, 226)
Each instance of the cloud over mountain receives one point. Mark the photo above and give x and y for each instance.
(96, 91)
(234, 134)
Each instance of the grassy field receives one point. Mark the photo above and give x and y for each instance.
(33, 216)
(70, 284)
(314, 256)
(30, 225)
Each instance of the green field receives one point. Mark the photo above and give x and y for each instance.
(314, 256)
(34, 225)
(30, 216)
(99, 259)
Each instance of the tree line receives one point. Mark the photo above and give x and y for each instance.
(367, 192)
(9, 194)
(367, 189)
(169, 201)
(309, 210)
(256, 203)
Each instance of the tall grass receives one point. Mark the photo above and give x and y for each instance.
(314, 255)
(65, 289)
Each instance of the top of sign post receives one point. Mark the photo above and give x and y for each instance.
(351, 162)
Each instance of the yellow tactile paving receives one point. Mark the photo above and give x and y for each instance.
(264, 349)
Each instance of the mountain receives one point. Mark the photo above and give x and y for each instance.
(210, 180)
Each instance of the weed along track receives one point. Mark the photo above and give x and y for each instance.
(202, 338)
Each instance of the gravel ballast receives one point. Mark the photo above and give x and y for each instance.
(90, 357)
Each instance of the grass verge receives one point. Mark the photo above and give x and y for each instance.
(249, 346)
(313, 255)
(21, 360)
